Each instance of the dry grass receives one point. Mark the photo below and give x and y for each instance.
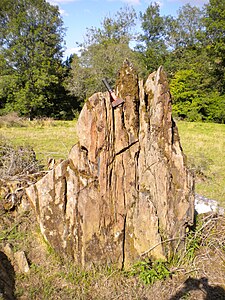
(52, 278)
(10, 120)
(197, 273)
(17, 161)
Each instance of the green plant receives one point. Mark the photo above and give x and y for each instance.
(48, 139)
(193, 241)
(150, 271)
(12, 234)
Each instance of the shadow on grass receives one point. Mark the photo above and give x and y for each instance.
(7, 278)
(191, 284)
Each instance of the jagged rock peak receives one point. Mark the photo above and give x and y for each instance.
(124, 189)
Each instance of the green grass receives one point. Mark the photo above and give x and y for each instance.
(52, 278)
(203, 143)
(48, 139)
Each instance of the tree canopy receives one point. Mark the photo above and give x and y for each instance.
(31, 49)
(35, 81)
(102, 54)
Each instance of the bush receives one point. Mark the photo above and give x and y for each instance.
(17, 160)
(11, 119)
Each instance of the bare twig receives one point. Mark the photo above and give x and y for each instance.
(160, 243)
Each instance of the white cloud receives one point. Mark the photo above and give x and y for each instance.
(57, 2)
(73, 50)
(63, 12)
(160, 3)
(132, 2)
(192, 2)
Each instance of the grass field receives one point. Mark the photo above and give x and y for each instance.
(203, 143)
(51, 278)
(49, 139)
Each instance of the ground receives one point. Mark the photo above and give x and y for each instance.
(197, 273)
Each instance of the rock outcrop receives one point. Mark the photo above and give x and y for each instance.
(125, 190)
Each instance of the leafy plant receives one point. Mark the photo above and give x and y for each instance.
(193, 242)
(151, 271)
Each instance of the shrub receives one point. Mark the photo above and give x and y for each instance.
(17, 160)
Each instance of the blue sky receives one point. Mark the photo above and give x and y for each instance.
(81, 14)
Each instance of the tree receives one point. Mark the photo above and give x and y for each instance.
(118, 28)
(102, 54)
(152, 47)
(31, 50)
(185, 41)
(192, 101)
(215, 41)
(186, 94)
(185, 31)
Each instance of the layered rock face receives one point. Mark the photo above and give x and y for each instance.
(125, 190)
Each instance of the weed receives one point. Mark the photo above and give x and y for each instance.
(12, 234)
(150, 271)
(192, 244)
(200, 164)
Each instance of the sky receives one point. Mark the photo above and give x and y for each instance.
(78, 15)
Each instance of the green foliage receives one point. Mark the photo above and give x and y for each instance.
(193, 103)
(215, 31)
(102, 54)
(35, 82)
(193, 242)
(153, 24)
(31, 51)
(185, 31)
(150, 271)
(117, 29)
(152, 49)
(97, 62)
(186, 256)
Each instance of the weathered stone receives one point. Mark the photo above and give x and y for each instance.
(125, 188)
(8, 250)
(21, 261)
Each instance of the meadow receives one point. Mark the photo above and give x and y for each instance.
(51, 277)
(203, 144)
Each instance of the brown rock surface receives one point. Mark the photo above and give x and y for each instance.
(125, 187)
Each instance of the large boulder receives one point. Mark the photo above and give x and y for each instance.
(125, 191)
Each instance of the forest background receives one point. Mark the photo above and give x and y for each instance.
(35, 80)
